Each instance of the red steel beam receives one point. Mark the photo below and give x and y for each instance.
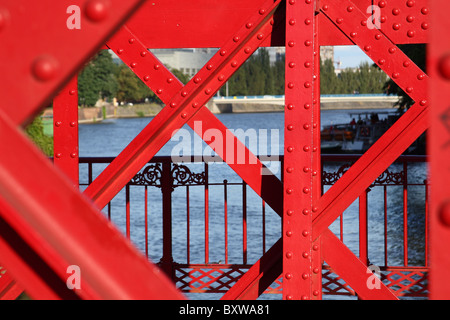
(183, 106)
(58, 227)
(299, 149)
(171, 23)
(438, 63)
(56, 57)
(9, 288)
(65, 130)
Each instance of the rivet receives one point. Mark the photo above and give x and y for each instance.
(314, 209)
(308, 43)
(146, 78)
(425, 26)
(58, 124)
(305, 255)
(184, 93)
(382, 4)
(396, 26)
(316, 270)
(247, 50)
(325, 7)
(364, 23)
(73, 124)
(291, 2)
(223, 52)
(289, 254)
(290, 106)
(305, 233)
(236, 39)
(208, 91)
(339, 20)
(291, 43)
(378, 36)
(143, 53)
(307, 22)
(73, 154)
(392, 50)
(307, 64)
(406, 63)
(353, 34)
(290, 85)
(410, 19)
(249, 25)
(133, 65)
(409, 89)
(290, 212)
(96, 10)
(306, 148)
(367, 48)
(292, 22)
(350, 9)
(307, 84)
(197, 79)
(396, 11)
(306, 169)
(173, 104)
(289, 191)
(305, 298)
(289, 297)
(315, 247)
(305, 212)
(234, 63)
(156, 66)
(305, 276)
(306, 190)
(58, 155)
(290, 149)
(316, 293)
(444, 214)
(395, 75)
(291, 64)
(411, 33)
(410, 3)
(289, 233)
(308, 1)
(289, 170)
(195, 105)
(72, 92)
(314, 173)
(221, 77)
(306, 126)
(424, 11)
(131, 40)
(383, 19)
(423, 102)
(119, 51)
(159, 91)
(262, 11)
(184, 115)
(288, 276)
(290, 127)
(45, 68)
(307, 106)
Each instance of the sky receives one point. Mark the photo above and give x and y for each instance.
(350, 56)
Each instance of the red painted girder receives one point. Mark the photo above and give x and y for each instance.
(65, 130)
(166, 86)
(438, 64)
(45, 219)
(34, 75)
(261, 275)
(171, 23)
(355, 273)
(299, 149)
(9, 289)
(183, 106)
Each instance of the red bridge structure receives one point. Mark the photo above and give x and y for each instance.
(47, 224)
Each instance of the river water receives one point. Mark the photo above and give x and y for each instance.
(265, 136)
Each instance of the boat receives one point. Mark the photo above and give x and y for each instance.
(357, 135)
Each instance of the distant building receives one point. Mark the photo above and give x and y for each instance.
(327, 52)
(188, 61)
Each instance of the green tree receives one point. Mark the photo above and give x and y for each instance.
(97, 79)
(35, 131)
